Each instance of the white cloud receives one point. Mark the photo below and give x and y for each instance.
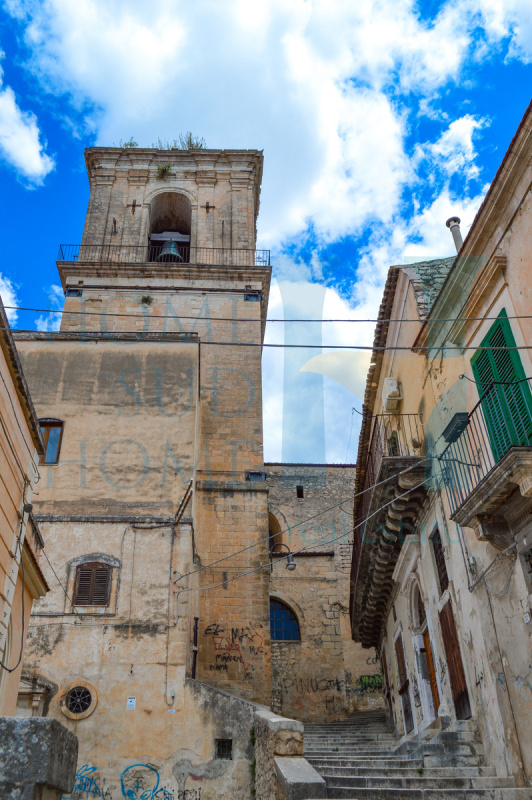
(435, 239)
(52, 322)
(506, 19)
(454, 152)
(308, 82)
(8, 293)
(340, 393)
(20, 144)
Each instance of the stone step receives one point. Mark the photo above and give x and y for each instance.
(420, 782)
(430, 794)
(364, 763)
(354, 737)
(404, 772)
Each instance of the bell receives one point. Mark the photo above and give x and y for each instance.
(169, 253)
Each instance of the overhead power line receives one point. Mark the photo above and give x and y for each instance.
(250, 319)
(110, 335)
(309, 547)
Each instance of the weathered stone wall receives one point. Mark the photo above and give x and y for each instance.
(323, 676)
(37, 759)
(228, 180)
(158, 383)
(274, 736)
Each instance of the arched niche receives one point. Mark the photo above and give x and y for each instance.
(170, 225)
(274, 531)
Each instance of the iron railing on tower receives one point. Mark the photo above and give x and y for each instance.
(153, 253)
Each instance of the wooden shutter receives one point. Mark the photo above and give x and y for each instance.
(507, 408)
(432, 672)
(92, 586)
(454, 663)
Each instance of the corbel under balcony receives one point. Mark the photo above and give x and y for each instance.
(382, 542)
(501, 504)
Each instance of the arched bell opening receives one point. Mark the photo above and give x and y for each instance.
(170, 225)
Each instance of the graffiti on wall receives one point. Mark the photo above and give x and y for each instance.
(138, 782)
(523, 691)
(313, 685)
(367, 684)
(235, 645)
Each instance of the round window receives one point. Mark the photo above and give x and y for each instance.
(78, 700)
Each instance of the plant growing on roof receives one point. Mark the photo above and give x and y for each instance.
(163, 171)
(131, 142)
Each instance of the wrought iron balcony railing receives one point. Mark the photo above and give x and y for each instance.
(394, 436)
(182, 254)
(477, 441)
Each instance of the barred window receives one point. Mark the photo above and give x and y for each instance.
(283, 623)
(93, 583)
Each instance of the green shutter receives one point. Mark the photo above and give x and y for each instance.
(507, 409)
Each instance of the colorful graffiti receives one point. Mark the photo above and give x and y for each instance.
(138, 782)
(84, 782)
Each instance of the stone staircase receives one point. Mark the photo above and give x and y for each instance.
(360, 759)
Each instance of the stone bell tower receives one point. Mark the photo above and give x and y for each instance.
(155, 381)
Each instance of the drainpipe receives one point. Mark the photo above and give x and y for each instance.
(453, 223)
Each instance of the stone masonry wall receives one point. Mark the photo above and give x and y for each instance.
(325, 675)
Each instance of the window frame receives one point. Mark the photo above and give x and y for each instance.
(47, 424)
(291, 619)
(93, 565)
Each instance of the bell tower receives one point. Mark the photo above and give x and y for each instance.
(155, 376)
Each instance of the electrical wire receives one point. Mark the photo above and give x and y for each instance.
(35, 467)
(309, 547)
(350, 433)
(251, 319)
(303, 522)
(372, 348)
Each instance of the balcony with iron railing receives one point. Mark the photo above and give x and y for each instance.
(162, 253)
(489, 451)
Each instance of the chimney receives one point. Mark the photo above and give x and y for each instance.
(453, 223)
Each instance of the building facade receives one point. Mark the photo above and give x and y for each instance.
(441, 572)
(150, 399)
(21, 578)
(155, 639)
(318, 672)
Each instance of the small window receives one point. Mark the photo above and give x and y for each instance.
(224, 748)
(439, 556)
(92, 587)
(52, 433)
(284, 626)
(299, 492)
(78, 700)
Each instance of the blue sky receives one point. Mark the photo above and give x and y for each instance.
(378, 121)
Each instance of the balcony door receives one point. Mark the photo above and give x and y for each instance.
(507, 408)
